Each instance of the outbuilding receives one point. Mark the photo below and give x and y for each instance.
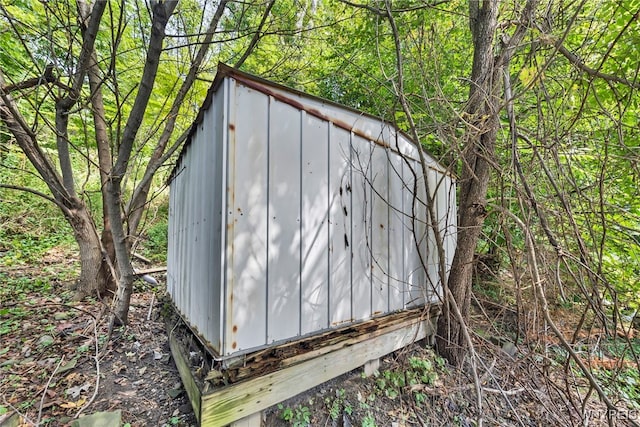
(292, 217)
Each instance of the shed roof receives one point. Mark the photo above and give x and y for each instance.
(263, 85)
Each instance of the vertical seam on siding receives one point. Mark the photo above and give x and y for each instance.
(369, 217)
(388, 204)
(268, 195)
(300, 237)
(350, 254)
(225, 213)
(328, 322)
(222, 292)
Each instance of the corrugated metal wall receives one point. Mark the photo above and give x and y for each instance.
(290, 216)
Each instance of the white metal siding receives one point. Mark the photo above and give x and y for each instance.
(284, 223)
(283, 301)
(314, 230)
(247, 225)
(339, 286)
(360, 227)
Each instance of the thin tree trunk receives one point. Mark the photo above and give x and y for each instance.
(76, 212)
(135, 207)
(94, 278)
(474, 180)
(482, 117)
(161, 14)
(104, 161)
(62, 142)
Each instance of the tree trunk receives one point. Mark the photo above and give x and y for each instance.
(95, 277)
(92, 280)
(161, 14)
(482, 110)
(104, 160)
(482, 115)
(136, 206)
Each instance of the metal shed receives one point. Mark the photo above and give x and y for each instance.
(291, 215)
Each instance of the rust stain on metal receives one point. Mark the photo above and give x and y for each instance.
(311, 111)
(252, 84)
(235, 328)
(232, 127)
(234, 345)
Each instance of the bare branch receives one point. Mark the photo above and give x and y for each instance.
(387, 11)
(47, 77)
(35, 192)
(133, 210)
(576, 61)
(256, 36)
(161, 14)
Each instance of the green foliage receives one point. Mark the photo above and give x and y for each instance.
(298, 416)
(338, 405)
(421, 370)
(18, 289)
(622, 379)
(29, 224)
(369, 421)
(157, 240)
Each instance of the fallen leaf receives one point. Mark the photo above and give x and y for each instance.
(74, 392)
(117, 368)
(68, 366)
(73, 405)
(71, 377)
(174, 393)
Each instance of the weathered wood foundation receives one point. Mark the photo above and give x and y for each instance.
(223, 392)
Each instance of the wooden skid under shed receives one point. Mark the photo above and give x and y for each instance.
(296, 373)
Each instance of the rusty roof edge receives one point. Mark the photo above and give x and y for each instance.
(225, 70)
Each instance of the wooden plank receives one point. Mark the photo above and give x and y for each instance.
(182, 363)
(371, 367)
(253, 420)
(228, 404)
(271, 359)
(338, 342)
(150, 271)
(141, 258)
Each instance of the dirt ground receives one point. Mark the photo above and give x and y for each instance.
(58, 363)
(51, 367)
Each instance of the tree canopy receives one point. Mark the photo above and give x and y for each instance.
(533, 105)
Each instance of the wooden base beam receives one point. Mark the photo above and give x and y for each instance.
(254, 420)
(223, 406)
(184, 369)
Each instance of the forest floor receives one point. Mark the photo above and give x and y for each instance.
(58, 363)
